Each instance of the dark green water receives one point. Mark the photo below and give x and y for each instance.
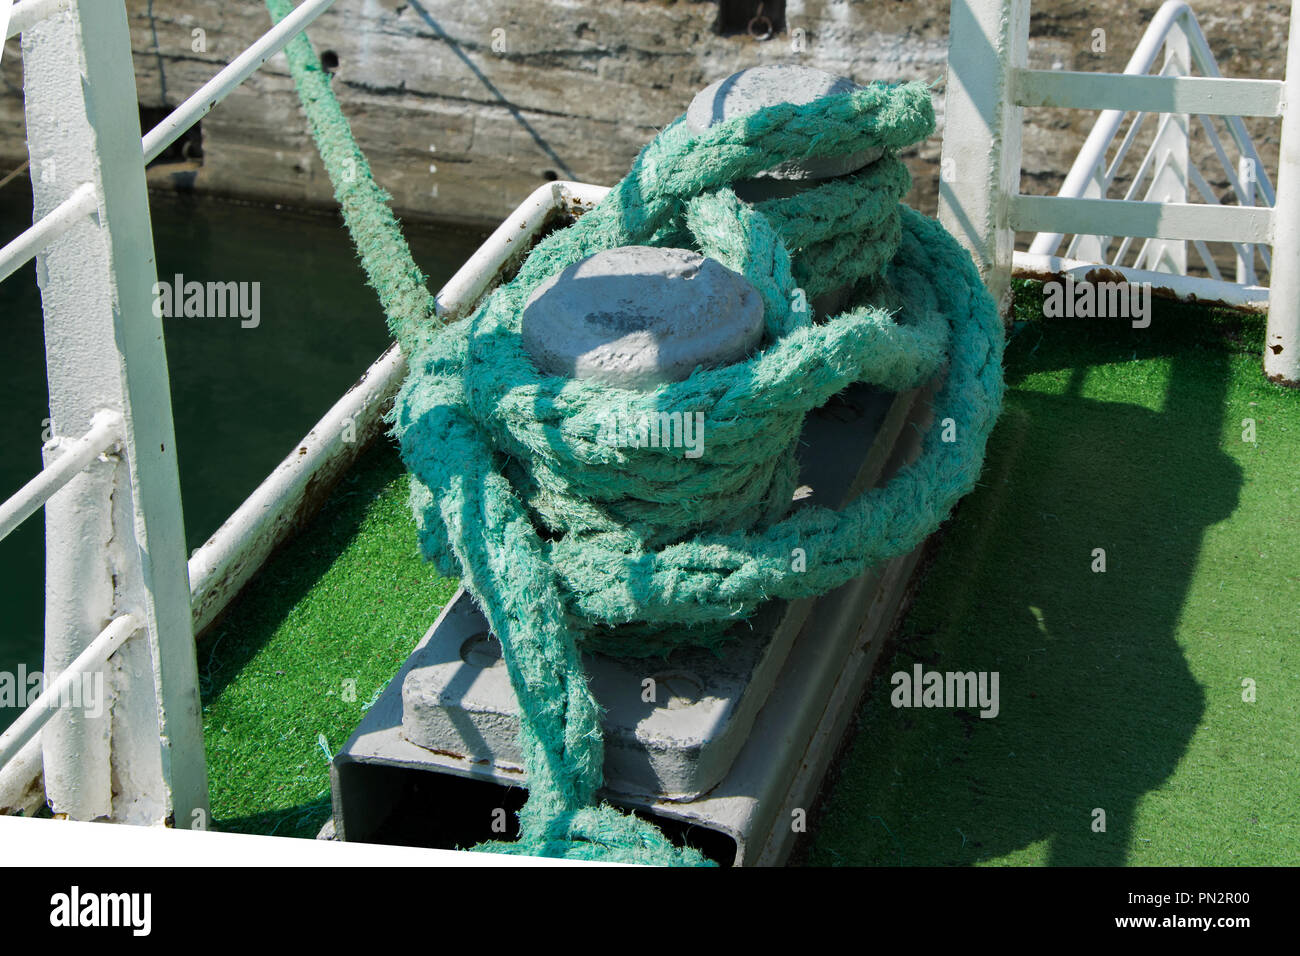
(242, 397)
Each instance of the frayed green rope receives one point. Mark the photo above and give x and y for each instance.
(565, 538)
(390, 270)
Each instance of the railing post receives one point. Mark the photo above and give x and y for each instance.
(1087, 247)
(76, 743)
(104, 351)
(1282, 340)
(1172, 150)
(980, 166)
(1246, 175)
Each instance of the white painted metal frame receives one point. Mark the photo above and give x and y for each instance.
(989, 85)
(1167, 160)
(105, 432)
(41, 710)
(114, 529)
(236, 72)
(116, 554)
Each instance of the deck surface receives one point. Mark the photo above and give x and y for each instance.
(1120, 691)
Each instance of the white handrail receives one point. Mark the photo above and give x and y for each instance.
(1108, 123)
(198, 105)
(105, 432)
(39, 712)
(1143, 219)
(979, 194)
(53, 224)
(83, 202)
(239, 69)
(29, 12)
(1172, 14)
(152, 576)
(1144, 92)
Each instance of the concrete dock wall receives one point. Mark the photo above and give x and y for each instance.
(464, 106)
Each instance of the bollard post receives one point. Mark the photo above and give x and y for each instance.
(637, 317)
(761, 86)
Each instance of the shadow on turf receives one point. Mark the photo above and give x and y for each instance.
(303, 821)
(1097, 702)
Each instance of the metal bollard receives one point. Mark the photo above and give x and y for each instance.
(761, 86)
(637, 317)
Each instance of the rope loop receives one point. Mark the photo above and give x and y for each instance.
(567, 539)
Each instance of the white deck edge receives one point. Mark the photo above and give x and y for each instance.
(1191, 289)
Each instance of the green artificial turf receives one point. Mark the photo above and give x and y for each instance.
(1120, 691)
(306, 649)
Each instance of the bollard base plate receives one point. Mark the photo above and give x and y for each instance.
(432, 762)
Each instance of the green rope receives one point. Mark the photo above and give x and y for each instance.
(569, 540)
(390, 270)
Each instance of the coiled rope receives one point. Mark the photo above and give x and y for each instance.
(568, 540)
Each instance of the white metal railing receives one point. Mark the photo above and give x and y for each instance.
(53, 224)
(236, 72)
(990, 84)
(41, 710)
(105, 432)
(105, 359)
(1175, 30)
(82, 202)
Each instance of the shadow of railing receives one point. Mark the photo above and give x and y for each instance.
(1098, 704)
(491, 87)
